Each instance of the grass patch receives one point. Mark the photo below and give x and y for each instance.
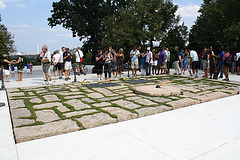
(32, 124)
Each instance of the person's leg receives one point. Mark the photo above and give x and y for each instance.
(146, 64)
(105, 71)
(18, 76)
(109, 70)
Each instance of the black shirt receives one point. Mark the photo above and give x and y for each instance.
(68, 59)
(5, 65)
(177, 54)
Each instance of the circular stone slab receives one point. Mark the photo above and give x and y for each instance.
(162, 91)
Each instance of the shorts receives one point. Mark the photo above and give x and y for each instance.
(195, 65)
(155, 63)
(114, 66)
(5, 72)
(13, 72)
(134, 65)
(28, 71)
(225, 68)
(206, 66)
(165, 65)
(233, 64)
(238, 63)
(59, 66)
(46, 67)
(68, 66)
(189, 68)
(79, 64)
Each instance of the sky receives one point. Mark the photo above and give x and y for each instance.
(27, 22)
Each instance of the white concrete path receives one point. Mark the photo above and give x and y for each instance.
(206, 131)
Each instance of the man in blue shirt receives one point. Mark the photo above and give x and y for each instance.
(220, 63)
(67, 57)
(134, 54)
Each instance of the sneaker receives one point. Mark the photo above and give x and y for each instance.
(53, 81)
(226, 79)
(60, 77)
(47, 83)
(66, 79)
(174, 73)
(180, 74)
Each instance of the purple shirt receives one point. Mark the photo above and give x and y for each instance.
(162, 58)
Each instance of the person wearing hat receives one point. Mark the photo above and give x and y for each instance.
(46, 60)
(6, 63)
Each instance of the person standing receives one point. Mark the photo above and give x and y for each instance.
(28, 68)
(31, 67)
(212, 64)
(177, 60)
(134, 54)
(143, 63)
(120, 60)
(233, 59)
(155, 61)
(20, 66)
(6, 64)
(56, 62)
(13, 70)
(149, 61)
(67, 57)
(194, 62)
(99, 64)
(206, 61)
(220, 64)
(168, 54)
(79, 60)
(226, 64)
(108, 63)
(114, 61)
(238, 62)
(62, 62)
(161, 61)
(46, 61)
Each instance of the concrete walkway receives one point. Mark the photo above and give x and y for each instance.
(205, 131)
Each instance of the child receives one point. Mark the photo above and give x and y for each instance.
(28, 68)
(185, 62)
(85, 68)
(13, 70)
(31, 67)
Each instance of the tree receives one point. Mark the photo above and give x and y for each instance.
(142, 22)
(84, 18)
(176, 36)
(6, 41)
(216, 25)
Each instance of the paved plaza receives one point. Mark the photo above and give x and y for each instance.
(39, 111)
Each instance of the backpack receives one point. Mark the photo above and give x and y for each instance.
(228, 61)
(20, 64)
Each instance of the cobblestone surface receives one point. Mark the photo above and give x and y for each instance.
(41, 112)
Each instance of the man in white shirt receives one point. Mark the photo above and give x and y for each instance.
(46, 60)
(61, 61)
(79, 60)
(194, 62)
(149, 61)
(57, 66)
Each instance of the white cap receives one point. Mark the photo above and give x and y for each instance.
(148, 48)
(19, 54)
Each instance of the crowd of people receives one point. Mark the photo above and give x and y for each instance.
(148, 62)
(158, 61)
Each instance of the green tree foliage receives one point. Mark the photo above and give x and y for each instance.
(217, 25)
(142, 22)
(88, 58)
(84, 18)
(176, 36)
(6, 40)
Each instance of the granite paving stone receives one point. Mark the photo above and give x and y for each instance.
(20, 112)
(50, 98)
(102, 104)
(105, 92)
(49, 129)
(146, 102)
(77, 104)
(72, 97)
(146, 111)
(212, 96)
(183, 103)
(36, 100)
(19, 122)
(16, 94)
(95, 95)
(46, 116)
(76, 113)
(62, 108)
(110, 98)
(122, 114)
(87, 100)
(126, 104)
(16, 103)
(95, 120)
(47, 105)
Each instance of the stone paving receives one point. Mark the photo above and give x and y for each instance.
(41, 112)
